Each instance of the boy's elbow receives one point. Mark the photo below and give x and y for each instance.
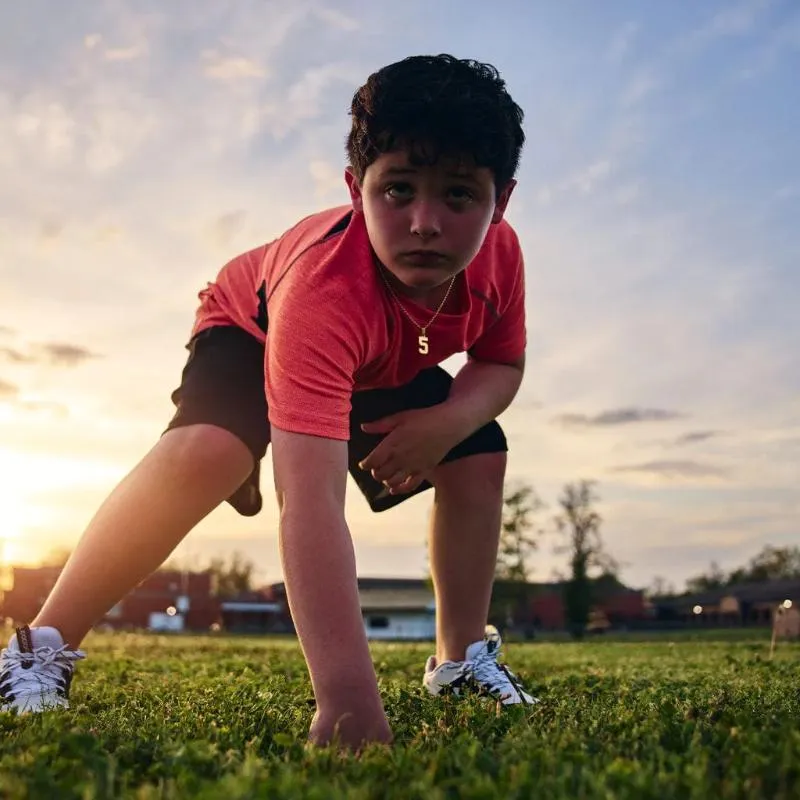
(310, 474)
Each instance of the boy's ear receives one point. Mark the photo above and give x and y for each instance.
(354, 188)
(502, 202)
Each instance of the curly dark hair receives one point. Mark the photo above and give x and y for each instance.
(437, 106)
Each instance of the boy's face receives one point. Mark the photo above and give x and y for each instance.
(426, 223)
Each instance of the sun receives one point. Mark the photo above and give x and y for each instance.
(13, 548)
(16, 552)
(31, 524)
(16, 512)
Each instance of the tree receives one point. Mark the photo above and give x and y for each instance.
(660, 587)
(233, 577)
(229, 576)
(715, 578)
(518, 540)
(579, 523)
(518, 534)
(771, 564)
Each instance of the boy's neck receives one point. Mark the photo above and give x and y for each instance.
(430, 298)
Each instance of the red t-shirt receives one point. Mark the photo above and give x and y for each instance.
(317, 300)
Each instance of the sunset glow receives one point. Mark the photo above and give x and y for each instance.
(656, 205)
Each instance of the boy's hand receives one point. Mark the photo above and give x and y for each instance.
(416, 441)
(349, 729)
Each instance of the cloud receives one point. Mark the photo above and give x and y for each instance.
(38, 406)
(787, 193)
(735, 20)
(15, 356)
(621, 42)
(125, 53)
(337, 19)
(583, 181)
(643, 83)
(674, 469)
(48, 130)
(627, 194)
(130, 53)
(780, 40)
(8, 391)
(231, 68)
(225, 227)
(618, 416)
(45, 126)
(303, 101)
(587, 179)
(63, 354)
(644, 286)
(695, 436)
(327, 177)
(60, 354)
(108, 233)
(50, 230)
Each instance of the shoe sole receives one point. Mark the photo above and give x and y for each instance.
(36, 704)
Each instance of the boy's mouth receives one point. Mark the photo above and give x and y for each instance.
(423, 258)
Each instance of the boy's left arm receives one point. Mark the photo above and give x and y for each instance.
(485, 386)
(481, 391)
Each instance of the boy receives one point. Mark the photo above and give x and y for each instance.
(325, 343)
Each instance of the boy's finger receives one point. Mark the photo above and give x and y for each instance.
(397, 479)
(408, 485)
(388, 470)
(374, 460)
(383, 425)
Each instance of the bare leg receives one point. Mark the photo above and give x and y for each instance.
(188, 473)
(465, 533)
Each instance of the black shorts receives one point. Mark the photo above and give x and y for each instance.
(223, 385)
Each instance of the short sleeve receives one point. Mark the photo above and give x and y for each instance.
(505, 339)
(314, 347)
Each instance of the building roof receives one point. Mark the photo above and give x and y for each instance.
(762, 592)
(396, 599)
(604, 584)
(254, 607)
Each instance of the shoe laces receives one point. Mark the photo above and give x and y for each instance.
(38, 671)
(495, 678)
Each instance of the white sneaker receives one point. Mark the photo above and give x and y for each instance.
(36, 671)
(479, 672)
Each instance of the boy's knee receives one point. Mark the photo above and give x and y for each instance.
(473, 477)
(201, 444)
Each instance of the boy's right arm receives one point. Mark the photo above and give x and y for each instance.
(322, 588)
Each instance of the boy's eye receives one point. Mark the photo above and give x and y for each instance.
(399, 191)
(460, 194)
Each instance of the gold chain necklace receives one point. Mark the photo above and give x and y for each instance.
(422, 339)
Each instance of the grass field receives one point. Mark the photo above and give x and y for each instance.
(200, 717)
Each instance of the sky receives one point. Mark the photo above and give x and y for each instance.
(144, 145)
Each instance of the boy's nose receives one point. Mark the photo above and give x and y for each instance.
(425, 221)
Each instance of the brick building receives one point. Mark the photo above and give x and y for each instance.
(740, 605)
(612, 606)
(392, 608)
(27, 590)
(186, 598)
